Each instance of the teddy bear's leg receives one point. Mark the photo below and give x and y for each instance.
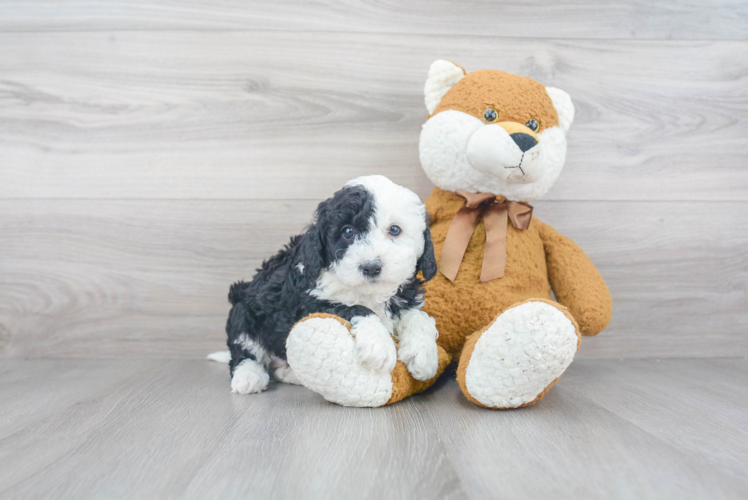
(516, 359)
(322, 353)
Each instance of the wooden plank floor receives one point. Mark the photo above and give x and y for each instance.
(169, 428)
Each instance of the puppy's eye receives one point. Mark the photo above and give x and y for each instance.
(532, 125)
(490, 114)
(394, 230)
(348, 232)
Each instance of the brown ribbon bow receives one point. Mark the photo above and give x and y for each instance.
(495, 211)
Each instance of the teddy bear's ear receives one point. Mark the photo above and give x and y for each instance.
(564, 107)
(442, 77)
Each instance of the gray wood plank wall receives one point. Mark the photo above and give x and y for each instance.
(153, 152)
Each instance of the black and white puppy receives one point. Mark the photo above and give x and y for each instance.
(359, 261)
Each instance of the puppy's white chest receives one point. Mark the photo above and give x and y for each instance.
(380, 309)
(331, 289)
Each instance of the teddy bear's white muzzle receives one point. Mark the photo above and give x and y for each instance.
(493, 151)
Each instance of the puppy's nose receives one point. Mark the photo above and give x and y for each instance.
(371, 268)
(524, 141)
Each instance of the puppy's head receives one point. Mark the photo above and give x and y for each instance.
(371, 236)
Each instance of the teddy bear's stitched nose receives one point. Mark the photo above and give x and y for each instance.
(524, 141)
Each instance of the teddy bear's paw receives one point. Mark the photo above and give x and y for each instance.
(374, 344)
(249, 377)
(322, 354)
(520, 355)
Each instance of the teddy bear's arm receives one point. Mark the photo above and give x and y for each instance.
(576, 282)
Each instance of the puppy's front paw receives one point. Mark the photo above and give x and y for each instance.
(374, 346)
(421, 357)
(249, 377)
(417, 347)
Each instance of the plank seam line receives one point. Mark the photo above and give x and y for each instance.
(65, 198)
(386, 33)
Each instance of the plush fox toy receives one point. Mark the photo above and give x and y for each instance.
(493, 142)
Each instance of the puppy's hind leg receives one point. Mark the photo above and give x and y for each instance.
(249, 377)
(282, 372)
(248, 359)
(248, 366)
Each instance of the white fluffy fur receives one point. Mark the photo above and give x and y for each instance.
(442, 77)
(416, 332)
(374, 345)
(330, 287)
(249, 377)
(323, 354)
(520, 354)
(564, 107)
(459, 151)
(220, 356)
(286, 375)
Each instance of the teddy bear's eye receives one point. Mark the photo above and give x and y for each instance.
(533, 125)
(490, 114)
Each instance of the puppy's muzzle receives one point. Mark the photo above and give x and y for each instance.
(372, 268)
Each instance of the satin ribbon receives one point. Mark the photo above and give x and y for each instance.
(495, 211)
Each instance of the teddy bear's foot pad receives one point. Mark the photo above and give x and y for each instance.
(520, 355)
(322, 353)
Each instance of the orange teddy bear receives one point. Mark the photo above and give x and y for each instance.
(492, 143)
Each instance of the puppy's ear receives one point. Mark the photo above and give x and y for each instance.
(427, 262)
(313, 251)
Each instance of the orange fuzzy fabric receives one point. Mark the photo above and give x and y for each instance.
(535, 258)
(403, 385)
(326, 315)
(515, 98)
